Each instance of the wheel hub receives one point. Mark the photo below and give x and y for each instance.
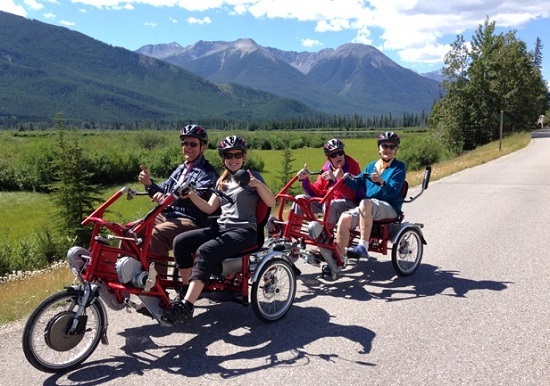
(56, 333)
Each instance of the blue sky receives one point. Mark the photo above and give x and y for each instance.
(414, 33)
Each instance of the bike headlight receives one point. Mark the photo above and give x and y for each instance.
(77, 258)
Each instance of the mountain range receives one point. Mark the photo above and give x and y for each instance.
(45, 69)
(354, 78)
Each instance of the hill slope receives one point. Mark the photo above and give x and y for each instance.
(46, 69)
(354, 78)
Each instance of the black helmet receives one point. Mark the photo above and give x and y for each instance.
(389, 136)
(194, 131)
(233, 142)
(332, 145)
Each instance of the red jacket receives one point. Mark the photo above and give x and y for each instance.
(320, 187)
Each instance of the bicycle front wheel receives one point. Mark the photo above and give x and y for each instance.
(47, 344)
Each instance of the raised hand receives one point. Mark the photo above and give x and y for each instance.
(144, 177)
(303, 174)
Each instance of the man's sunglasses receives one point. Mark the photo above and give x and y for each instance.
(336, 154)
(189, 144)
(386, 146)
(233, 155)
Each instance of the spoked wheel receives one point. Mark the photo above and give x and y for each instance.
(46, 342)
(407, 252)
(273, 293)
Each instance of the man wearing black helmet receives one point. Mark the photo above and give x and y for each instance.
(183, 215)
(382, 183)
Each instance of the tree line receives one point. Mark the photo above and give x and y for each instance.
(493, 82)
(337, 121)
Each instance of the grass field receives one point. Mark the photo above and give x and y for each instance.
(23, 212)
(20, 213)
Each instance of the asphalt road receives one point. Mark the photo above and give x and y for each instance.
(475, 313)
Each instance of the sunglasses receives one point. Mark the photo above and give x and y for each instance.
(190, 144)
(336, 154)
(386, 146)
(233, 155)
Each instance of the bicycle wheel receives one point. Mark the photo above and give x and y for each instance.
(273, 293)
(407, 252)
(46, 343)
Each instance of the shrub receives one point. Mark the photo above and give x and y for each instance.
(418, 152)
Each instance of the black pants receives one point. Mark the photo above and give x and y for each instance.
(211, 246)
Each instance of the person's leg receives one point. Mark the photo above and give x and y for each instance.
(165, 230)
(348, 220)
(211, 254)
(365, 222)
(335, 210)
(208, 255)
(185, 244)
(295, 207)
(364, 213)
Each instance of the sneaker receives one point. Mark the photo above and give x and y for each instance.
(357, 252)
(179, 313)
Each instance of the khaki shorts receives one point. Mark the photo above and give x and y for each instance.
(381, 210)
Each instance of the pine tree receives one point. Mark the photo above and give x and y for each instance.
(73, 194)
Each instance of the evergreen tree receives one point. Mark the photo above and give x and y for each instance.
(74, 196)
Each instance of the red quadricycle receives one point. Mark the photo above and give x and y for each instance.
(306, 234)
(118, 271)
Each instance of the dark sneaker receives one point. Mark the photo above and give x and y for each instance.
(357, 252)
(179, 313)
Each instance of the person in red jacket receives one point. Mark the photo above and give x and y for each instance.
(338, 163)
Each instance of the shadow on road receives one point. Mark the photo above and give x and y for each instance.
(248, 345)
(359, 278)
(253, 346)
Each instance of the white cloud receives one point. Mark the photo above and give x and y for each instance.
(194, 20)
(311, 43)
(175, 21)
(49, 15)
(416, 30)
(34, 5)
(67, 23)
(333, 25)
(150, 24)
(10, 7)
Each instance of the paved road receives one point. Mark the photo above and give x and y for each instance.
(475, 313)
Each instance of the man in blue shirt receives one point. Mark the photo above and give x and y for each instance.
(382, 182)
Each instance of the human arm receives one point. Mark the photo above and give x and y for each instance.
(207, 207)
(263, 191)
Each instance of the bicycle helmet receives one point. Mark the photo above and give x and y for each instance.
(233, 142)
(332, 145)
(389, 136)
(194, 131)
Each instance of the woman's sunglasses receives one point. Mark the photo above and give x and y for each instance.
(336, 154)
(386, 146)
(233, 155)
(189, 144)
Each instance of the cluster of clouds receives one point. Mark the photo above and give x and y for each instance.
(417, 30)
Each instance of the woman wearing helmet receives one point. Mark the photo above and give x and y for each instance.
(382, 181)
(183, 215)
(235, 230)
(338, 163)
